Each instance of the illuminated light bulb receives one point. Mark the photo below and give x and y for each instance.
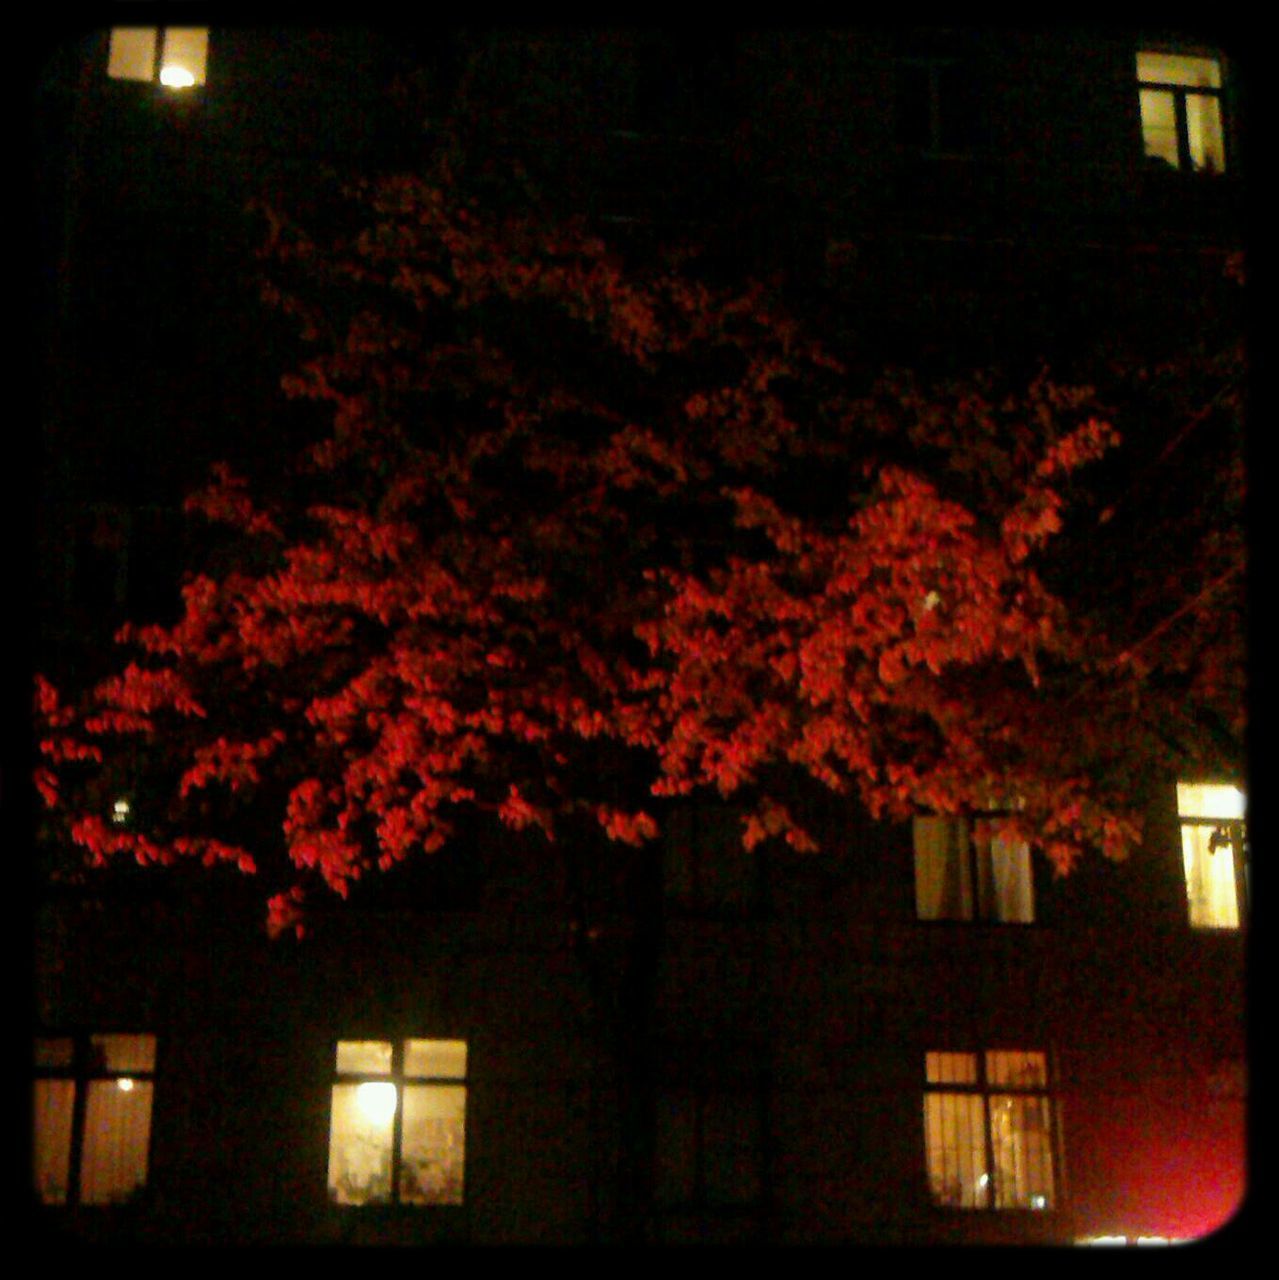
(120, 811)
(1038, 1202)
(125, 1085)
(176, 77)
(376, 1100)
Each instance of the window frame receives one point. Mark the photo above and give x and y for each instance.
(82, 1072)
(398, 1076)
(704, 1102)
(941, 105)
(986, 1090)
(1235, 830)
(709, 1169)
(707, 874)
(1180, 94)
(977, 875)
(192, 41)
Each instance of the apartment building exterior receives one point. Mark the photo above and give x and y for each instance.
(915, 1036)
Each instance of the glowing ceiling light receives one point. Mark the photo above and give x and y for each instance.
(376, 1099)
(175, 77)
(124, 1084)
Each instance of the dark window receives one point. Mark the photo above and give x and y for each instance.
(706, 869)
(938, 106)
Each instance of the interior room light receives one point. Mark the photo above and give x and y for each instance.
(175, 77)
(124, 1084)
(180, 53)
(376, 1100)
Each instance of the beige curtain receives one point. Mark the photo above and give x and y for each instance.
(943, 886)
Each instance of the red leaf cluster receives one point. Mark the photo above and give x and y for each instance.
(572, 524)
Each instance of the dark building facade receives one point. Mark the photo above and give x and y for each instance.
(915, 1036)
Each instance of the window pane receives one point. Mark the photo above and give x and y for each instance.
(951, 1068)
(1005, 881)
(943, 882)
(360, 1134)
(678, 854)
(365, 1057)
(914, 105)
(1203, 126)
(675, 1147)
(955, 1143)
(1176, 68)
(1021, 1138)
(54, 1052)
(705, 867)
(117, 1135)
(53, 1106)
(958, 108)
(1209, 800)
(123, 1053)
(439, 1059)
(1210, 877)
(723, 869)
(433, 1156)
(731, 1148)
(1159, 125)
(185, 49)
(1019, 1070)
(132, 53)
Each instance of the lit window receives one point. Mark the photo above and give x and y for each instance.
(174, 56)
(1126, 1240)
(989, 1130)
(965, 871)
(1181, 124)
(92, 1112)
(397, 1132)
(1213, 852)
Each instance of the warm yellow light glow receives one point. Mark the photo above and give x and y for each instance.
(184, 55)
(176, 77)
(1126, 1240)
(1178, 69)
(377, 1101)
(124, 1084)
(1209, 851)
(120, 811)
(1209, 800)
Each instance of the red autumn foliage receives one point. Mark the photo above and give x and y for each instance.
(579, 536)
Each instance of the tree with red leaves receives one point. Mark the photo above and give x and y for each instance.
(580, 535)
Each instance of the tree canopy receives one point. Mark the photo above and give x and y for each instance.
(578, 534)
